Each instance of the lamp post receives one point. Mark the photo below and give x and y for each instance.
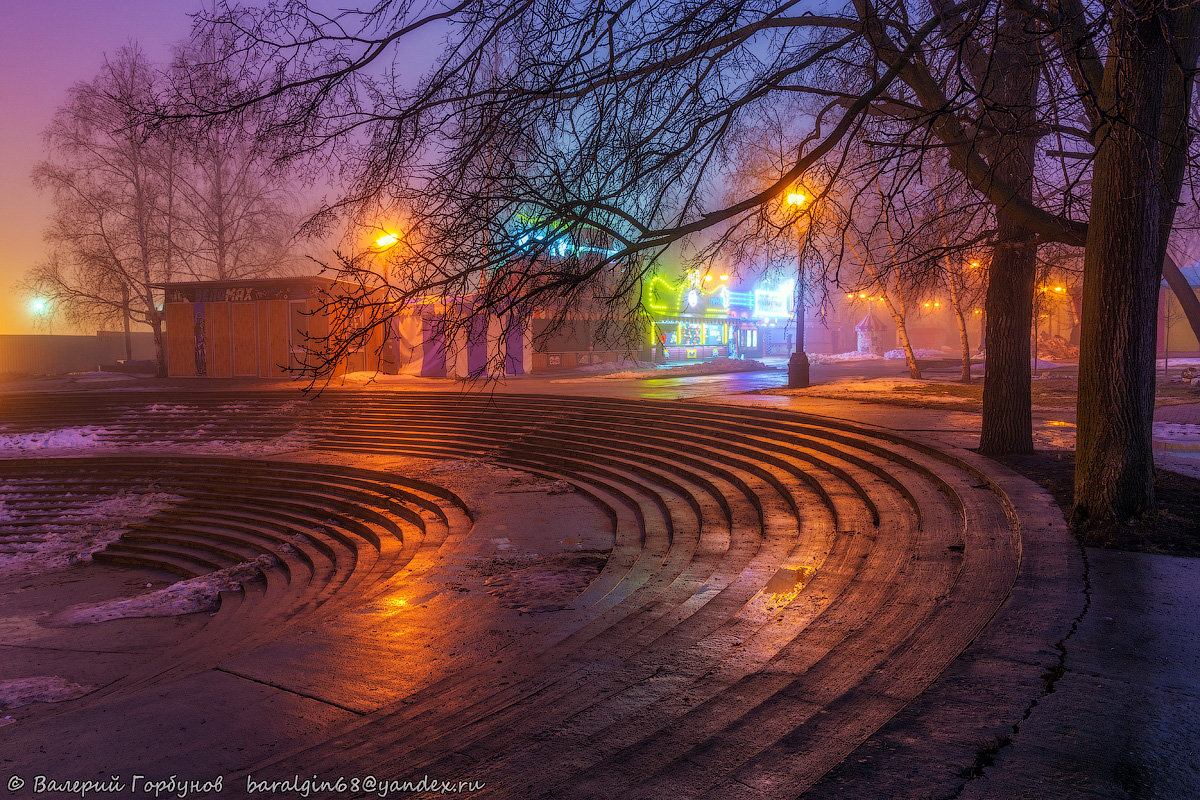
(798, 366)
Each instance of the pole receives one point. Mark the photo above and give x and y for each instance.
(798, 366)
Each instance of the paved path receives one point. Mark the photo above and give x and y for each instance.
(789, 604)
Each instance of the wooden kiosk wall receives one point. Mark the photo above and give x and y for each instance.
(246, 334)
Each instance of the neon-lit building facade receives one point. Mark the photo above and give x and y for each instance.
(705, 316)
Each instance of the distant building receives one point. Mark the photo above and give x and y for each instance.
(264, 328)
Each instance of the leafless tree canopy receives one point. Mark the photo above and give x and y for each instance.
(544, 122)
(137, 204)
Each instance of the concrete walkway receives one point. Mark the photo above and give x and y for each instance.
(1081, 682)
(1120, 719)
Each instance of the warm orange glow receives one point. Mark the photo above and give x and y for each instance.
(979, 311)
(974, 265)
(724, 277)
(937, 305)
(797, 199)
(862, 295)
(849, 295)
(707, 278)
(387, 240)
(1059, 289)
(927, 305)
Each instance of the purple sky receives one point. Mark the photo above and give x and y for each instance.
(45, 47)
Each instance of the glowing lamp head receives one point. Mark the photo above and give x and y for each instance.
(387, 240)
(708, 278)
(796, 199)
(39, 306)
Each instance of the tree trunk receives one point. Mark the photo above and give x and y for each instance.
(964, 342)
(125, 313)
(1114, 465)
(1007, 425)
(914, 371)
(1007, 380)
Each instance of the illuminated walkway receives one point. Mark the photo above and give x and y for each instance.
(787, 603)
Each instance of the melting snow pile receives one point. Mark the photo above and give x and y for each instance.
(530, 483)
(185, 597)
(883, 390)
(58, 439)
(548, 584)
(838, 358)
(459, 465)
(1180, 432)
(43, 689)
(253, 447)
(919, 353)
(33, 538)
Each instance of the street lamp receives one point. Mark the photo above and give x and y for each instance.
(387, 240)
(798, 366)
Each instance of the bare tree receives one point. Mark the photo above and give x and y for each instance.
(621, 119)
(235, 211)
(108, 178)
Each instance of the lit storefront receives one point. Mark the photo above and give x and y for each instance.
(703, 317)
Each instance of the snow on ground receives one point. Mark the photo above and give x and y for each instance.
(1041, 363)
(184, 597)
(57, 439)
(839, 358)
(531, 483)
(548, 583)
(922, 353)
(1177, 432)
(18, 692)
(716, 366)
(33, 539)
(929, 393)
(249, 447)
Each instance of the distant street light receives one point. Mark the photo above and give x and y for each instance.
(798, 366)
(387, 240)
(42, 310)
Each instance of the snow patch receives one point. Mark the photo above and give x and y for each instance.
(1180, 432)
(202, 593)
(838, 358)
(920, 353)
(931, 393)
(72, 534)
(253, 447)
(550, 583)
(58, 439)
(518, 486)
(459, 465)
(19, 692)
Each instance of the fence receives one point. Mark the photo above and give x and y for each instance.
(37, 354)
